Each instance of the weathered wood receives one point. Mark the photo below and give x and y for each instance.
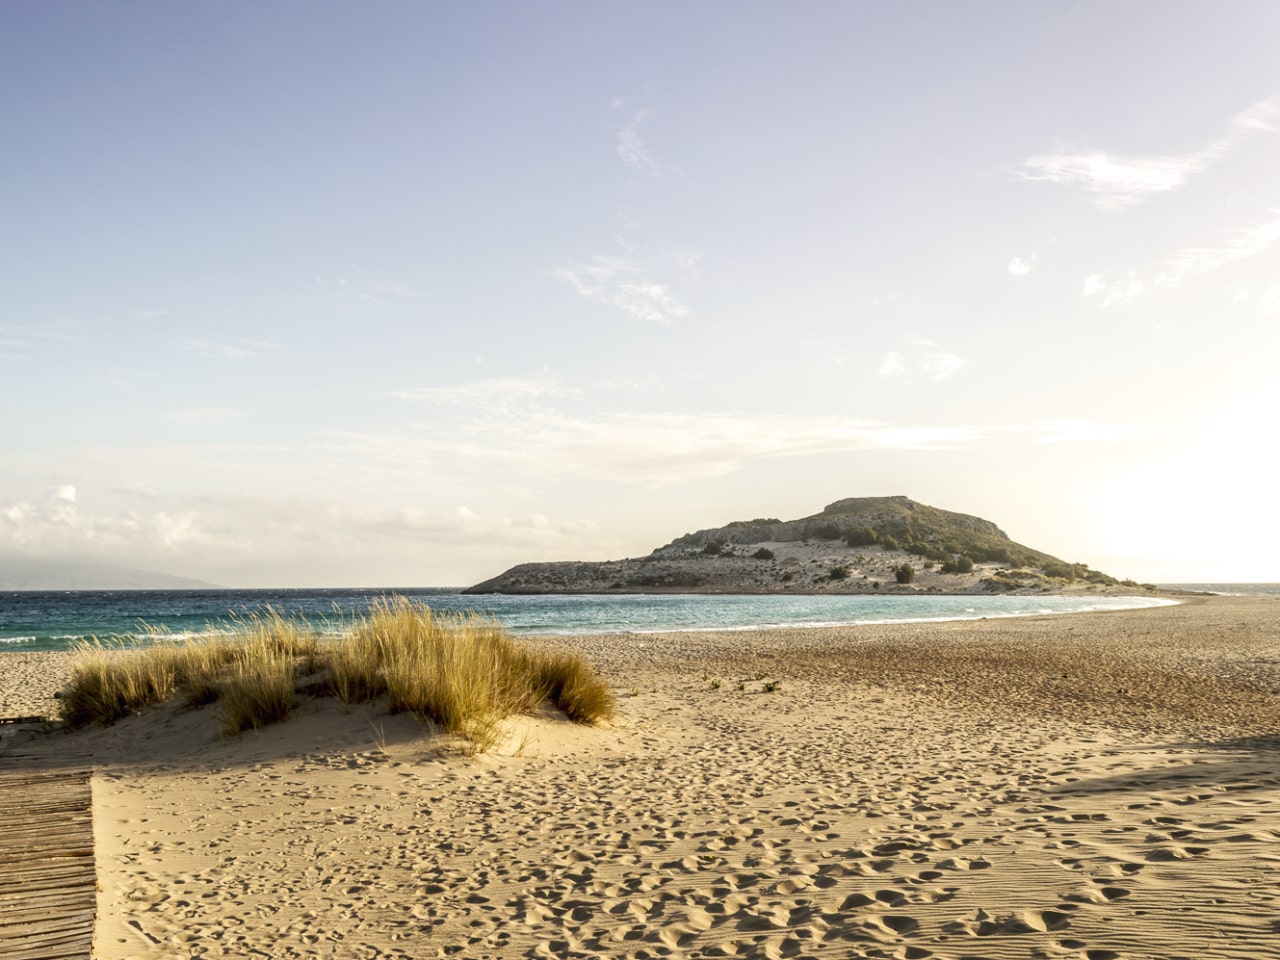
(48, 883)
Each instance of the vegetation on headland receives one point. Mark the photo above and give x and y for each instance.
(858, 545)
(461, 673)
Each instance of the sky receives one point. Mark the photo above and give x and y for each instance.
(402, 294)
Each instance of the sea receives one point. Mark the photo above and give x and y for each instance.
(58, 620)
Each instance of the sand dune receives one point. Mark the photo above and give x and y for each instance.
(1086, 787)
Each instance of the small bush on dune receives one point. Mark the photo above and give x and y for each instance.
(112, 682)
(572, 686)
(257, 693)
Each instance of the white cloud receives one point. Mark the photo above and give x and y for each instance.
(689, 261)
(1020, 268)
(1113, 292)
(892, 366)
(1087, 431)
(1119, 182)
(635, 154)
(228, 351)
(1261, 117)
(940, 366)
(649, 449)
(1234, 245)
(925, 359)
(199, 415)
(623, 283)
(60, 525)
(664, 450)
(357, 292)
(494, 391)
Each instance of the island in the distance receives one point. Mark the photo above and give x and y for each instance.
(858, 545)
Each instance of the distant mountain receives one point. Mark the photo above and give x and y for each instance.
(18, 573)
(859, 545)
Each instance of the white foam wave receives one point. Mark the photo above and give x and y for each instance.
(17, 639)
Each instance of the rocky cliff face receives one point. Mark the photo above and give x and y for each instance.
(858, 545)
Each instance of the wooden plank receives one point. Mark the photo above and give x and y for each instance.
(48, 882)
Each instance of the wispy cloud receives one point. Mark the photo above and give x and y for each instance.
(623, 283)
(652, 449)
(1233, 245)
(1188, 263)
(667, 449)
(635, 154)
(357, 291)
(1118, 182)
(204, 415)
(921, 358)
(1019, 267)
(893, 365)
(1112, 292)
(941, 366)
(491, 392)
(227, 351)
(1087, 431)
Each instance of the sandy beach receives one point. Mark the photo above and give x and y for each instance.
(1100, 786)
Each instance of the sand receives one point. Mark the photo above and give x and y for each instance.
(1089, 786)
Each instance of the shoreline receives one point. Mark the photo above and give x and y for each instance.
(546, 622)
(30, 680)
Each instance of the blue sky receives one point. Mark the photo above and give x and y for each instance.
(405, 293)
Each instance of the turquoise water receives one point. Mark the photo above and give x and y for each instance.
(54, 620)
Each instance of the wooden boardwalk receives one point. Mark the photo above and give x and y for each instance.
(47, 880)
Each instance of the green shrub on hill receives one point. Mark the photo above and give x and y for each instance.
(862, 536)
(958, 564)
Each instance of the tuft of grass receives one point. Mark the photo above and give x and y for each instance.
(257, 692)
(572, 685)
(110, 681)
(462, 673)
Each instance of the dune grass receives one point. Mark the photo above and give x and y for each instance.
(461, 673)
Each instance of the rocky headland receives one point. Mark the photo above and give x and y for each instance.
(858, 545)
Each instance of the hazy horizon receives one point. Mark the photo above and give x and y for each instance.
(320, 294)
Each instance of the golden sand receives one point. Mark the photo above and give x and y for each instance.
(1087, 786)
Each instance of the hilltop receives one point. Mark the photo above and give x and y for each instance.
(858, 545)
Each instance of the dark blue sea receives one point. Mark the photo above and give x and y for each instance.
(56, 620)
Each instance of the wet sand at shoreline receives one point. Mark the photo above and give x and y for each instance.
(1089, 786)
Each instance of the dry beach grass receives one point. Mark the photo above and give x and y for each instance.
(1089, 786)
